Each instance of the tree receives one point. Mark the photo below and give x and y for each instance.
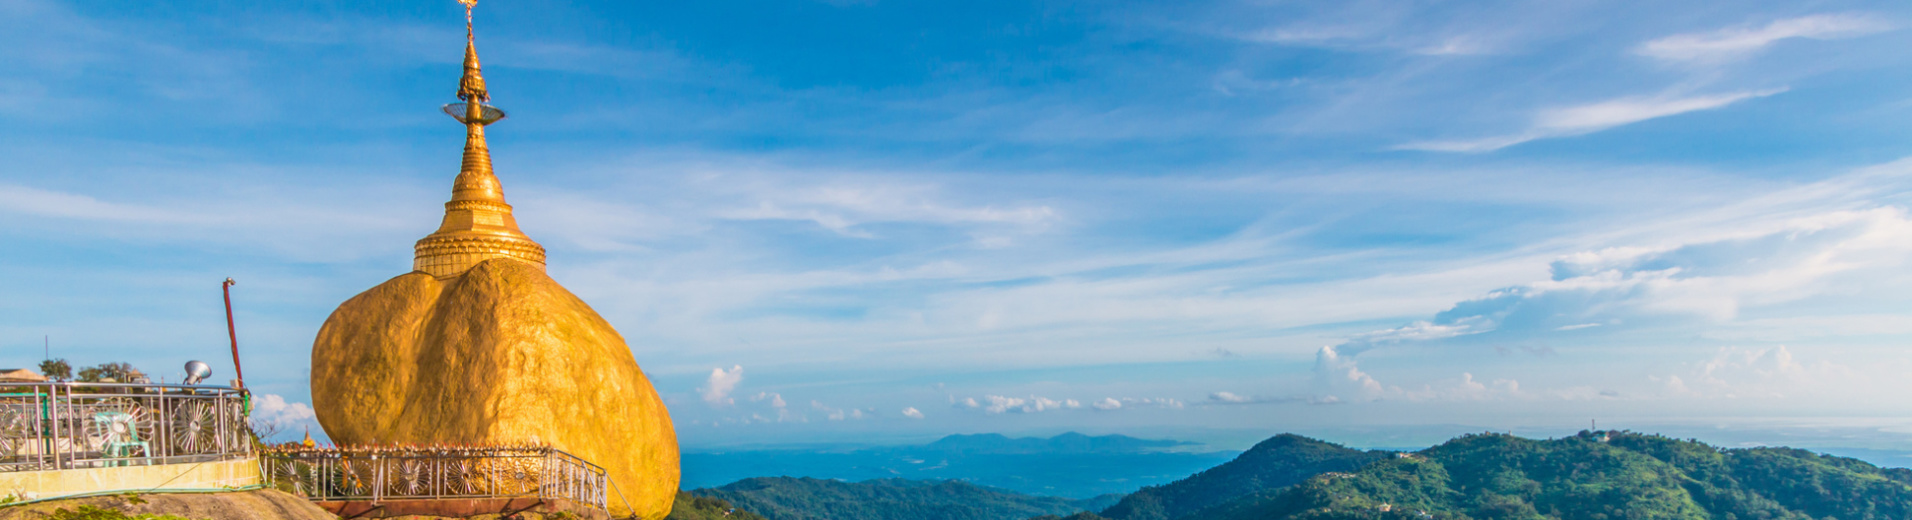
(120, 372)
(56, 369)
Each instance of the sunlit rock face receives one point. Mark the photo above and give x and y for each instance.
(498, 354)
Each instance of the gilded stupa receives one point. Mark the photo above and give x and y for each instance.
(477, 345)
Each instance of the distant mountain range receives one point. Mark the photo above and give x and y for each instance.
(1589, 476)
(786, 498)
(1070, 465)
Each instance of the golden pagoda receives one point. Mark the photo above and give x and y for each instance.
(478, 224)
(477, 345)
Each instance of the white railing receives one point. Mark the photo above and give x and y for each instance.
(377, 473)
(69, 425)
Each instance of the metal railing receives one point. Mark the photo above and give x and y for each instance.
(378, 473)
(69, 425)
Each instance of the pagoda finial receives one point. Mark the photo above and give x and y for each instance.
(478, 225)
(471, 88)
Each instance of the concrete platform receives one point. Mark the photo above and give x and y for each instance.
(192, 475)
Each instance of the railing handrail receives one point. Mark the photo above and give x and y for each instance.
(115, 385)
(54, 425)
(420, 451)
(338, 472)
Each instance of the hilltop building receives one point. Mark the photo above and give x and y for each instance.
(20, 375)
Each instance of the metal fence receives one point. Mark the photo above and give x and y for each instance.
(434, 472)
(47, 426)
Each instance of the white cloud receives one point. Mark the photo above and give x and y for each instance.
(836, 414)
(1708, 282)
(717, 388)
(1227, 397)
(996, 404)
(776, 399)
(1337, 375)
(912, 413)
(1339, 379)
(1738, 42)
(1159, 402)
(1593, 117)
(1107, 404)
(273, 411)
(1774, 372)
(776, 403)
(1000, 404)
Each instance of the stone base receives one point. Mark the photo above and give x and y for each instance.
(461, 508)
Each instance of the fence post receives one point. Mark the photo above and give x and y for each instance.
(53, 416)
(378, 480)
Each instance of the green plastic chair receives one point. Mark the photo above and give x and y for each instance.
(121, 437)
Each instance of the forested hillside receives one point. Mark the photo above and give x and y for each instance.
(1276, 463)
(692, 507)
(1604, 476)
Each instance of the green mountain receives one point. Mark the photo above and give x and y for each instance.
(1279, 462)
(692, 507)
(786, 498)
(1590, 476)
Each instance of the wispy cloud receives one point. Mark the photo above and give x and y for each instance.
(1737, 42)
(1593, 117)
(1227, 397)
(32, 201)
(843, 208)
(837, 414)
(1709, 282)
(1466, 45)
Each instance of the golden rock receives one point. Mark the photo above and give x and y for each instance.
(479, 346)
(498, 354)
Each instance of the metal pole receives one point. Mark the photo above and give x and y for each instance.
(233, 333)
(53, 415)
(163, 432)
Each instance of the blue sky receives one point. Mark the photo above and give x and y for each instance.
(877, 221)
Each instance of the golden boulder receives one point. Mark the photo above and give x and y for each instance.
(498, 354)
(478, 346)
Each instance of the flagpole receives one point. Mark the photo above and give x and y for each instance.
(233, 333)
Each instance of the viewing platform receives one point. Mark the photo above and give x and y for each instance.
(62, 439)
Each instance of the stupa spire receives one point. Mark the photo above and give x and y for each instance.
(478, 225)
